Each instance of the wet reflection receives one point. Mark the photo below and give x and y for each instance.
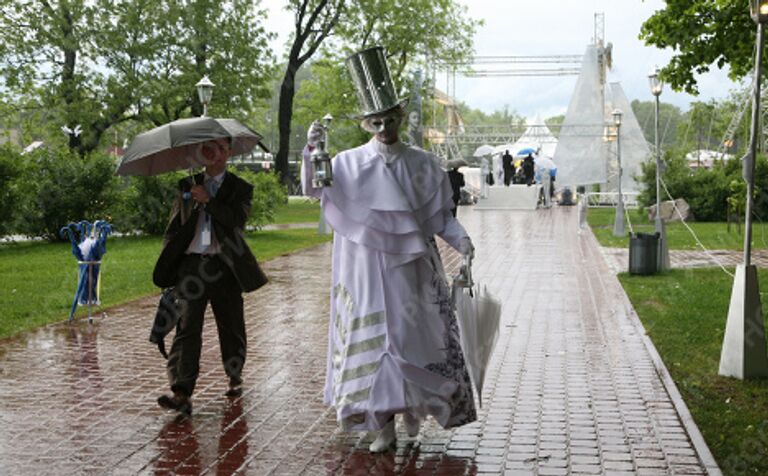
(233, 445)
(178, 448)
(185, 444)
(340, 459)
(83, 342)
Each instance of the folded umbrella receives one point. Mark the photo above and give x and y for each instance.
(178, 145)
(166, 317)
(89, 243)
(478, 314)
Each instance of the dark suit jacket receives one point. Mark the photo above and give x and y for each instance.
(229, 210)
(507, 162)
(457, 181)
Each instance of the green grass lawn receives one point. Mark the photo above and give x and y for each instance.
(298, 210)
(37, 280)
(684, 312)
(712, 235)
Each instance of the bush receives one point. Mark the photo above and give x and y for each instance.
(62, 187)
(11, 190)
(708, 191)
(268, 193)
(146, 203)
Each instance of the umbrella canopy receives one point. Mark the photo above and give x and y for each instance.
(178, 145)
(525, 152)
(500, 149)
(455, 163)
(484, 149)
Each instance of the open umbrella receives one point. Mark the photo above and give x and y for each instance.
(500, 149)
(525, 152)
(484, 149)
(455, 163)
(178, 145)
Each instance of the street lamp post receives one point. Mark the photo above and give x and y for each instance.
(204, 93)
(743, 354)
(663, 251)
(618, 222)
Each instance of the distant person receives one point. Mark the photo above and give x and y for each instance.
(508, 164)
(487, 177)
(457, 181)
(528, 170)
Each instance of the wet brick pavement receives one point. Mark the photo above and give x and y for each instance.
(572, 388)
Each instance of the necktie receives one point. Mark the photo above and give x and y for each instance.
(211, 186)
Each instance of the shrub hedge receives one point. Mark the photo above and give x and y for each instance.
(715, 194)
(50, 187)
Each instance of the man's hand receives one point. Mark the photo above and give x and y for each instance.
(315, 133)
(200, 194)
(466, 248)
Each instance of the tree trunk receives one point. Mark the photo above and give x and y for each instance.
(284, 116)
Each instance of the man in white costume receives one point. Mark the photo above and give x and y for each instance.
(393, 338)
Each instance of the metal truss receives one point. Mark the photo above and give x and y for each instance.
(502, 134)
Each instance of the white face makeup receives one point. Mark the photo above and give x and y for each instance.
(385, 126)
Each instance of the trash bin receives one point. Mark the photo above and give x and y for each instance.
(643, 252)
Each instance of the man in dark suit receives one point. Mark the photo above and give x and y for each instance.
(508, 164)
(205, 257)
(528, 170)
(457, 181)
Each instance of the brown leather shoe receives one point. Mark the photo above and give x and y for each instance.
(178, 402)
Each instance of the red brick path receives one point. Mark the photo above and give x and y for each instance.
(572, 388)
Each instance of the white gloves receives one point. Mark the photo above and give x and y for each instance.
(466, 248)
(315, 133)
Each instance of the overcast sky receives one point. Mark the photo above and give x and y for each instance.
(532, 27)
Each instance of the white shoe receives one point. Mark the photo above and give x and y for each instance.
(412, 424)
(385, 440)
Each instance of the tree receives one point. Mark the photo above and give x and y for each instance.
(101, 63)
(702, 33)
(411, 33)
(670, 118)
(313, 22)
(330, 91)
(410, 30)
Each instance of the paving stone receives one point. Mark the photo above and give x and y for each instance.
(571, 388)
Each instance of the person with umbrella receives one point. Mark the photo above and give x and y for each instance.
(528, 168)
(393, 339)
(205, 257)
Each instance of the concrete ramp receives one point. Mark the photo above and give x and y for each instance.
(514, 197)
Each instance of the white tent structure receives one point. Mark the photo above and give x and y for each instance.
(586, 151)
(537, 135)
(634, 147)
(581, 154)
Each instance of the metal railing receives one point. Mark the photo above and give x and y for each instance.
(611, 199)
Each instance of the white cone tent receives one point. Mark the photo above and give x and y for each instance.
(537, 135)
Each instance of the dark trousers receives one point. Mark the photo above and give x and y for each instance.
(508, 174)
(200, 280)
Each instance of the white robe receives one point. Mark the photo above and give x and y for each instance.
(393, 340)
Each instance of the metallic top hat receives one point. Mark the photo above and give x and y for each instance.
(375, 89)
